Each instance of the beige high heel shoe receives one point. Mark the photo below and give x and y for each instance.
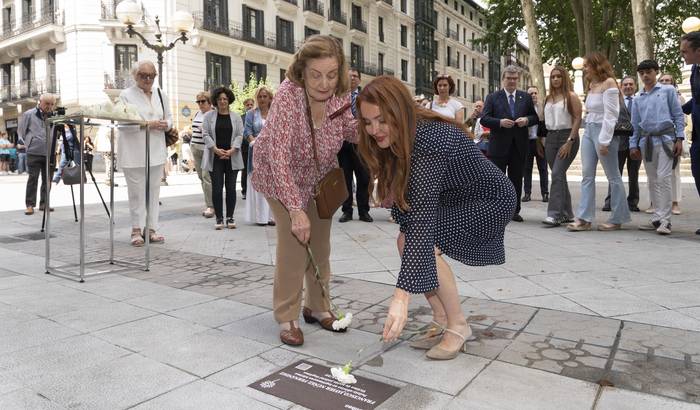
(438, 353)
(431, 337)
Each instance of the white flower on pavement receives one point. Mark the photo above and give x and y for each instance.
(343, 321)
(342, 374)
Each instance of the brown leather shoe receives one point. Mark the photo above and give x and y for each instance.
(293, 336)
(326, 323)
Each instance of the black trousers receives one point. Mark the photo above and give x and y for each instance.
(633, 175)
(244, 172)
(541, 168)
(223, 176)
(350, 162)
(513, 165)
(36, 164)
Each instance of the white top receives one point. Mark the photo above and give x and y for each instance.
(132, 139)
(450, 109)
(556, 116)
(197, 137)
(604, 108)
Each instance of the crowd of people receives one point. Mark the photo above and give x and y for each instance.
(453, 182)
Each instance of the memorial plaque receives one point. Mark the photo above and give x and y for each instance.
(311, 385)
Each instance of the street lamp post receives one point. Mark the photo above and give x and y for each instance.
(691, 24)
(130, 13)
(577, 65)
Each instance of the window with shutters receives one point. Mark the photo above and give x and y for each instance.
(404, 36)
(285, 35)
(404, 70)
(259, 71)
(253, 25)
(218, 70)
(216, 16)
(125, 56)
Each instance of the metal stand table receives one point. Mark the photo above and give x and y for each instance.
(113, 264)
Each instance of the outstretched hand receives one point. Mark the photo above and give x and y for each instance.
(397, 316)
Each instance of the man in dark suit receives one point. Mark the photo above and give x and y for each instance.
(690, 49)
(508, 113)
(350, 162)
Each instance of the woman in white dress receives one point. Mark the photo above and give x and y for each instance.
(257, 208)
(444, 87)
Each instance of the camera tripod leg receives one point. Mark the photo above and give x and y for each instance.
(75, 211)
(94, 181)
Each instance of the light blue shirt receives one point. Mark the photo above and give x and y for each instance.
(655, 111)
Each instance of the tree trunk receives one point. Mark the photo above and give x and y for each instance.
(533, 38)
(643, 38)
(580, 28)
(588, 27)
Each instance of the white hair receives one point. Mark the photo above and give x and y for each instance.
(47, 97)
(140, 64)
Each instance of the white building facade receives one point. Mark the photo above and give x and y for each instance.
(78, 49)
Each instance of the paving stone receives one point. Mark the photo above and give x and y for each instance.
(574, 327)
(260, 296)
(498, 314)
(120, 383)
(612, 302)
(552, 302)
(571, 359)
(169, 299)
(488, 342)
(34, 364)
(27, 399)
(217, 312)
(673, 296)
(507, 386)
(415, 398)
(202, 395)
(661, 341)
(145, 333)
(17, 336)
(619, 399)
(335, 348)
(366, 292)
(8, 383)
(411, 366)
(567, 282)
(509, 288)
(94, 318)
(666, 318)
(50, 299)
(205, 353)
(17, 281)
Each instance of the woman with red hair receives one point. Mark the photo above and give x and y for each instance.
(448, 198)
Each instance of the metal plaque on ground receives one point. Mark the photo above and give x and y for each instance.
(311, 385)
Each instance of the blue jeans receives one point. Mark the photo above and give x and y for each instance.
(589, 157)
(21, 162)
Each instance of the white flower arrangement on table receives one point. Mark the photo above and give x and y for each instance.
(342, 374)
(120, 110)
(343, 319)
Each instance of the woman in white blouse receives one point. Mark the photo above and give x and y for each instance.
(152, 105)
(603, 108)
(562, 116)
(444, 87)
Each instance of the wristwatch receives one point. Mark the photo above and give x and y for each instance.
(570, 139)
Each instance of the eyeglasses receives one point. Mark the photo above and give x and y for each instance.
(143, 76)
(201, 101)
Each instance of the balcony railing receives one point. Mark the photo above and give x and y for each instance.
(28, 89)
(358, 24)
(46, 18)
(339, 16)
(314, 6)
(477, 73)
(235, 30)
(453, 34)
(373, 69)
(294, 2)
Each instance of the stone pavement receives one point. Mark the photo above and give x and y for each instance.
(586, 320)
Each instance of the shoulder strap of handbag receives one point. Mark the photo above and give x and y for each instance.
(160, 97)
(337, 113)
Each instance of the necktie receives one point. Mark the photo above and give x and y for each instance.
(353, 106)
(511, 104)
(629, 103)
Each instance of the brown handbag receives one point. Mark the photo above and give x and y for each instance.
(331, 191)
(171, 134)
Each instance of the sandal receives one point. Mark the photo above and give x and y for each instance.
(136, 238)
(438, 353)
(430, 338)
(579, 226)
(154, 237)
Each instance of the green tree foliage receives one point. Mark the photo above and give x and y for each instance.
(243, 91)
(611, 20)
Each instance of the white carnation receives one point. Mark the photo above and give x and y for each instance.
(343, 322)
(339, 374)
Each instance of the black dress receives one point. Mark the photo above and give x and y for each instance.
(459, 202)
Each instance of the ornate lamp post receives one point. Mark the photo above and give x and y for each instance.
(577, 65)
(129, 13)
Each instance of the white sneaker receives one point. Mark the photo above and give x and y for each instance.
(664, 228)
(551, 221)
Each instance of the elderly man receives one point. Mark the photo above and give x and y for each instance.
(508, 113)
(473, 120)
(32, 131)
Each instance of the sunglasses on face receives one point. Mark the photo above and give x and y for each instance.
(201, 101)
(143, 76)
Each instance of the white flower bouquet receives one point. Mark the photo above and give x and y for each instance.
(118, 111)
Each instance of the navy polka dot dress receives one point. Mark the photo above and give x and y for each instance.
(459, 201)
